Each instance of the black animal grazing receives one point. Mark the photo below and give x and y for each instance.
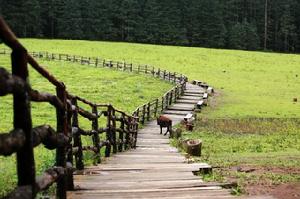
(164, 121)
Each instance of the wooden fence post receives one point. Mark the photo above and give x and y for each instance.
(156, 108)
(96, 62)
(61, 151)
(148, 111)
(113, 130)
(171, 97)
(146, 69)
(121, 134)
(143, 114)
(96, 139)
(174, 78)
(77, 138)
(162, 103)
(22, 120)
(135, 129)
(167, 101)
(127, 135)
(108, 132)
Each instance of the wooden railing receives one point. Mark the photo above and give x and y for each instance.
(146, 111)
(120, 130)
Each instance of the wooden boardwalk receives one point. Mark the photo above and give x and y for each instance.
(153, 170)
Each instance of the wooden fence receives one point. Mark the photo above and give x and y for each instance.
(121, 129)
(146, 111)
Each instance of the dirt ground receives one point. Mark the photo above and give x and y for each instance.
(283, 191)
(265, 186)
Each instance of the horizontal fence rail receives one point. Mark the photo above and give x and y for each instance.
(120, 130)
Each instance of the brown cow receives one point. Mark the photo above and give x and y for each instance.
(164, 121)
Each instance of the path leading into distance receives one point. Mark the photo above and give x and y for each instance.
(154, 169)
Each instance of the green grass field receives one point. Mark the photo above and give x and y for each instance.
(238, 128)
(251, 84)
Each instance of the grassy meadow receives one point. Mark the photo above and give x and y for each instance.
(252, 121)
(251, 84)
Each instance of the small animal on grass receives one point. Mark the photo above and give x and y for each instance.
(164, 122)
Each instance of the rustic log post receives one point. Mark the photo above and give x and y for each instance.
(158, 73)
(139, 68)
(169, 76)
(162, 103)
(148, 111)
(108, 132)
(146, 69)
(138, 112)
(127, 134)
(153, 72)
(176, 93)
(77, 138)
(171, 97)
(69, 148)
(156, 108)
(96, 62)
(143, 114)
(131, 131)
(131, 67)
(174, 78)
(110, 64)
(167, 101)
(22, 120)
(62, 127)
(96, 139)
(124, 66)
(103, 63)
(121, 134)
(164, 74)
(136, 127)
(113, 131)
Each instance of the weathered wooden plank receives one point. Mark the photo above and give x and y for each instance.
(181, 108)
(189, 98)
(177, 112)
(186, 101)
(211, 190)
(167, 184)
(193, 94)
(179, 166)
(193, 91)
(140, 176)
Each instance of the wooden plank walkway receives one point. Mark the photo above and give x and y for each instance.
(153, 170)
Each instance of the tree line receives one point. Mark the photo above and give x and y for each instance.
(235, 24)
